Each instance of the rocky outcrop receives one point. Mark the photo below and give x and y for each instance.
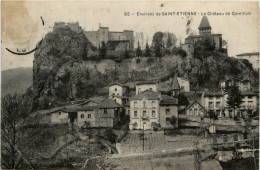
(62, 70)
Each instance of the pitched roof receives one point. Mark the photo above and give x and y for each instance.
(246, 54)
(109, 103)
(194, 103)
(213, 94)
(150, 95)
(204, 22)
(86, 108)
(145, 82)
(175, 85)
(115, 83)
(168, 100)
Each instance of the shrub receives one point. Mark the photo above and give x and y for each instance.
(179, 51)
(150, 60)
(137, 60)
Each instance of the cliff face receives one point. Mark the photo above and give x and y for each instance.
(62, 71)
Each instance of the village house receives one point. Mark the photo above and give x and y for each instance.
(184, 84)
(243, 85)
(143, 86)
(217, 102)
(144, 110)
(171, 87)
(168, 111)
(195, 109)
(86, 114)
(253, 58)
(119, 92)
(109, 113)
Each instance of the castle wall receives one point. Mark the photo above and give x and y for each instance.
(93, 37)
(130, 36)
(103, 34)
(116, 36)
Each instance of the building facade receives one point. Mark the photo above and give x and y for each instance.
(143, 86)
(243, 85)
(168, 112)
(144, 110)
(195, 109)
(193, 41)
(253, 58)
(111, 38)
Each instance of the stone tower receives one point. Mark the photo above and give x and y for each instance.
(204, 27)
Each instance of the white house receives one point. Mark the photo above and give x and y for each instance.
(184, 84)
(117, 89)
(144, 110)
(143, 86)
(253, 58)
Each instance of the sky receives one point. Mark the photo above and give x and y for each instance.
(22, 26)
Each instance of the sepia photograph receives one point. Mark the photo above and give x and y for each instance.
(148, 85)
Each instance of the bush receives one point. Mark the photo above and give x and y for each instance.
(137, 60)
(179, 51)
(150, 60)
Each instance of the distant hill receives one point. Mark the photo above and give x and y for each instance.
(16, 80)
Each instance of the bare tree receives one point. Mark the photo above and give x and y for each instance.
(13, 111)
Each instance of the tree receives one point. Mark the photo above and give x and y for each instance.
(103, 50)
(158, 43)
(169, 39)
(138, 50)
(182, 100)
(234, 98)
(13, 111)
(147, 52)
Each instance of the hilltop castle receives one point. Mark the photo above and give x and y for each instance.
(113, 40)
(191, 42)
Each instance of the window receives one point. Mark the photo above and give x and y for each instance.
(113, 94)
(105, 111)
(144, 113)
(153, 103)
(118, 94)
(82, 116)
(191, 112)
(151, 89)
(218, 104)
(89, 115)
(168, 119)
(59, 113)
(115, 89)
(135, 104)
(250, 103)
(135, 114)
(211, 105)
(245, 89)
(153, 113)
(218, 98)
(196, 111)
(250, 97)
(144, 104)
(218, 113)
(167, 111)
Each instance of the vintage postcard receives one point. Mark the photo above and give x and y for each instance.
(130, 85)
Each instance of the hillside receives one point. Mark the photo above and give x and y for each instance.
(63, 72)
(16, 80)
